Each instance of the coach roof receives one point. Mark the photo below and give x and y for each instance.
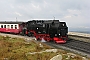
(10, 22)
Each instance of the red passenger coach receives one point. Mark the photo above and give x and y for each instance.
(11, 27)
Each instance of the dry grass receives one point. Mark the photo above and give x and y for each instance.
(16, 49)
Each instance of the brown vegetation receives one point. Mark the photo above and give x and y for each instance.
(17, 49)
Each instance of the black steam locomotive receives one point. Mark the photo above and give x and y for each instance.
(49, 30)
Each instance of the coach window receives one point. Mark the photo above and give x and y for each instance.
(11, 26)
(15, 26)
(4, 26)
(8, 26)
(1, 26)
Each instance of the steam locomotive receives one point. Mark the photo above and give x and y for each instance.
(49, 30)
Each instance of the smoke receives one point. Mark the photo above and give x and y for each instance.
(43, 40)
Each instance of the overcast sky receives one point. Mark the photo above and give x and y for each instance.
(75, 12)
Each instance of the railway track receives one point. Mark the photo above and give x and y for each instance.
(76, 46)
(79, 45)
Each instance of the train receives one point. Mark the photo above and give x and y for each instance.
(49, 30)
